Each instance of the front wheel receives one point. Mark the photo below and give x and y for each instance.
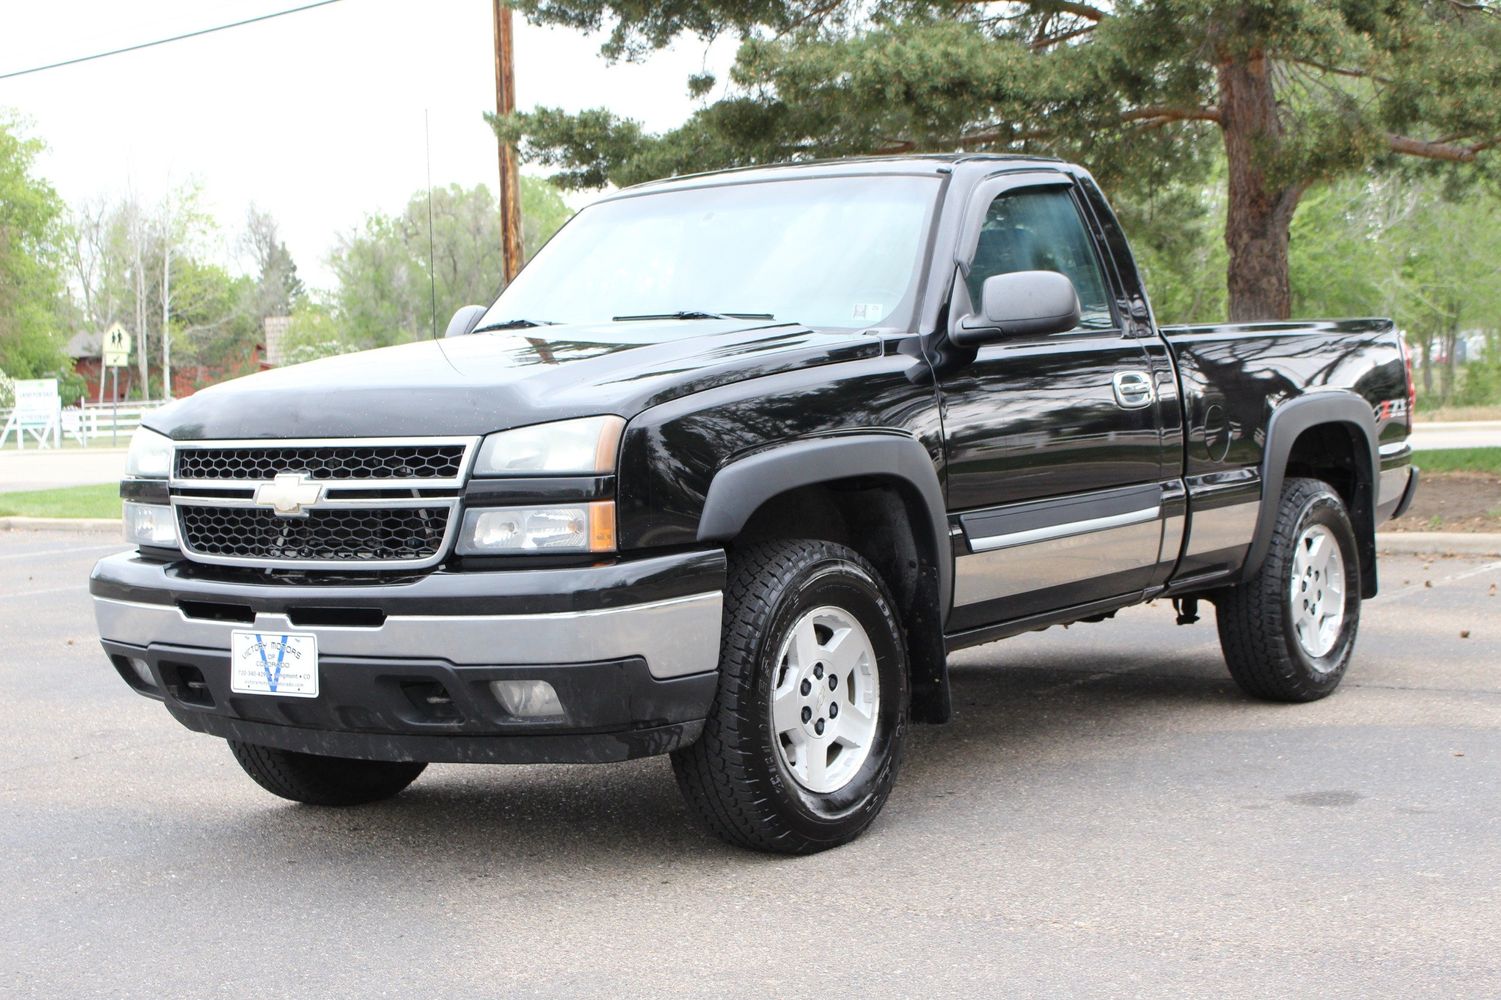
(1289, 630)
(803, 740)
(323, 781)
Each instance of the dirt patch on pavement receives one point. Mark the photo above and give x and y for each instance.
(1453, 501)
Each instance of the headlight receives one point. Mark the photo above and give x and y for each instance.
(150, 524)
(583, 447)
(150, 455)
(508, 531)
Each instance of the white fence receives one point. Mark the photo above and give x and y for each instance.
(101, 425)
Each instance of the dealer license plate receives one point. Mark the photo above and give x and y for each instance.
(280, 663)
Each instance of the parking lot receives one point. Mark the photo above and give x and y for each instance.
(1107, 816)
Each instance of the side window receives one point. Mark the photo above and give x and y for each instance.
(1041, 231)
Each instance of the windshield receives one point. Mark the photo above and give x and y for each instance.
(824, 252)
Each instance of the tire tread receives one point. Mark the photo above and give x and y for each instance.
(323, 781)
(1252, 618)
(715, 774)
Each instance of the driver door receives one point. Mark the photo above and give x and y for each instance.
(1054, 452)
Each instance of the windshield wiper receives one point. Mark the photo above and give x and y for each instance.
(513, 324)
(692, 314)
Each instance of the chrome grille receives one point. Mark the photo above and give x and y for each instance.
(352, 504)
(334, 535)
(352, 461)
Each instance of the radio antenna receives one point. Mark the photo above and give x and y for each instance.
(432, 266)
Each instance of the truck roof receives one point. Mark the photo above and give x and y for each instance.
(903, 164)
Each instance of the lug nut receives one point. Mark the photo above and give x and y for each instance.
(834, 710)
(818, 670)
(833, 682)
(807, 713)
(807, 687)
(818, 727)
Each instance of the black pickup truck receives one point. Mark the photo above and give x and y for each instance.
(726, 473)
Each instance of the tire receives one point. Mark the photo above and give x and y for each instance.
(323, 781)
(754, 778)
(1288, 632)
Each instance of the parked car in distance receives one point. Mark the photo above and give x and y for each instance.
(726, 473)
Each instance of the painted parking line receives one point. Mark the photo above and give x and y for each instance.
(1417, 588)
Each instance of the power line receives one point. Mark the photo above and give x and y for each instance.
(164, 41)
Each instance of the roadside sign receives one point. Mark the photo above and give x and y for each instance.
(116, 347)
(38, 412)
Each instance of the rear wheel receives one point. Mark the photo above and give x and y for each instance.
(803, 740)
(1289, 631)
(324, 781)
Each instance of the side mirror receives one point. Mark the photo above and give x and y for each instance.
(466, 319)
(1022, 303)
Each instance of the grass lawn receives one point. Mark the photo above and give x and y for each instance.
(1443, 460)
(73, 501)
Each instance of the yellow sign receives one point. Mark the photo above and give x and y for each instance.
(116, 347)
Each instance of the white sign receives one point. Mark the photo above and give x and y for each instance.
(37, 398)
(38, 412)
(116, 347)
(273, 663)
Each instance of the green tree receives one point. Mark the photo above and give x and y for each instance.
(215, 323)
(1297, 93)
(278, 288)
(1446, 278)
(31, 263)
(1340, 260)
(384, 293)
(315, 333)
(1410, 248)
(1178, 234)
(116, 253)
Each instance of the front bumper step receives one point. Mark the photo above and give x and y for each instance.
(405, 669)
(432, 710)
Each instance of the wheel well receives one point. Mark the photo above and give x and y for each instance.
(1335, 453)
(874, 516)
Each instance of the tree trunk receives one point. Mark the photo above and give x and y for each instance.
(1428, 365)
(1451, 360)
(1260, 212)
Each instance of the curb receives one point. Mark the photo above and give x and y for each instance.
(1461, 543)
(77, 525)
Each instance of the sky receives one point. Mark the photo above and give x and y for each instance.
(317, 117)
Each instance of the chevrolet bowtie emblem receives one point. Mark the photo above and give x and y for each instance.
(288, 493)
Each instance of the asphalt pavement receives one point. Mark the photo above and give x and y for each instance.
(49, 468)
(1108, 816)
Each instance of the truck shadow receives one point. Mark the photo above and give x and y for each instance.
(1060, 702)
(1012, 725)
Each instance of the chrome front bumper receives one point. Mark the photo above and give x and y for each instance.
(675, 637)
(407, 667)
(140, 603)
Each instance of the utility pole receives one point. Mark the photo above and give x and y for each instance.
(510, 181)
(166, 300)
(138, 237)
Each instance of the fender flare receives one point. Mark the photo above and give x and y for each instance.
(1289, 421)
(742, 486)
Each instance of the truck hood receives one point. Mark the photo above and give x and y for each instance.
(492, 381)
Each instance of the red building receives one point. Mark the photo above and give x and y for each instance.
(84, 350)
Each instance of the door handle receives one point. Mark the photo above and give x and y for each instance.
(1133, 390)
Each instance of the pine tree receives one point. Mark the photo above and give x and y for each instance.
(1298, 92)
